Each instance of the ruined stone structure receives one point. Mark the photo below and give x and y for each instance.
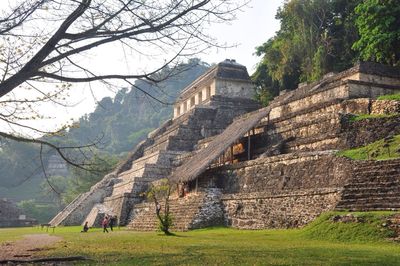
(56, 166)
(119, 192)
(274, 167)
(12, 216)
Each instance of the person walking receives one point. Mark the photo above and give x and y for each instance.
(112, 222)
(104, 223)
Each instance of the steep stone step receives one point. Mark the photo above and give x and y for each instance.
(182, 211)
(305, 128)
(180, 131)
(372, 166)
(173, 143)
(149, 171)
(157, 157)
(372, 184)
(370, 194)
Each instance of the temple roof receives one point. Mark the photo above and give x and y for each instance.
(226, 70)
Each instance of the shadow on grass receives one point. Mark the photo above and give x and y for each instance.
(170, 234)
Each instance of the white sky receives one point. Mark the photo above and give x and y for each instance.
(255, 24)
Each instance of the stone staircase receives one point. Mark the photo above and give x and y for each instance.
(375, 185)
(129, 185)
(67, 210)
(175, 138)
(183, 211)
(184, 132)
(196, 210)
(151, 160)
(76, 211)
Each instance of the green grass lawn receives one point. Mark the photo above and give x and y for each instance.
(321, 243)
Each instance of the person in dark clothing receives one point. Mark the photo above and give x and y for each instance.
(112, 222)
(104, 223)
(85, 228)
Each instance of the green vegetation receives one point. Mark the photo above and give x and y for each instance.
(395, 96)
(371, 116)
(324, 242)
(368, 229)
(43, 212)
(378, 23)
(160, 193)
(315, 38)
(318, 37)
(383, 149)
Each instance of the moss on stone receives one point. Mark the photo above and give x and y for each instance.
(395, 96)
(384, 149)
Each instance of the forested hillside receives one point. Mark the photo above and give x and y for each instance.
(119, 123)
(321, 36)
(125, 120)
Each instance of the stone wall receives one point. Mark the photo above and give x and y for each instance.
(211, 212)
(286, 172)
(265, 210)
(363, 132)
(385, 107)
(235, 88)
(281, 191)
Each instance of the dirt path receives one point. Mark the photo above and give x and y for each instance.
(26, 247)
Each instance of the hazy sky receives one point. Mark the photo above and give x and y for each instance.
(255, 24)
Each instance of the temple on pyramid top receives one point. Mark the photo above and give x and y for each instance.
(227, 79)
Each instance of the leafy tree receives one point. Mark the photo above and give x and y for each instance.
(18, 162)
(43, 212)
(53, 189)
(378, 23)
(315, 38)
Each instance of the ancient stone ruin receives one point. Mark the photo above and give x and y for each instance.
(12, 216)
(250, 167)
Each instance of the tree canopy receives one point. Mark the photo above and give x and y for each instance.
(379, 26)
(321, 36)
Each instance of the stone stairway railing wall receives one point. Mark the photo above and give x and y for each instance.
(197, 210)
(77, 210)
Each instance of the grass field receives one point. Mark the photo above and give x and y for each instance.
(322, 243)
